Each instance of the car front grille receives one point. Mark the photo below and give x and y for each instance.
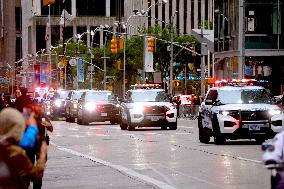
(254, 115)
(154, 110)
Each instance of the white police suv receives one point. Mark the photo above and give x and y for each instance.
(238, 112)
(148, 108)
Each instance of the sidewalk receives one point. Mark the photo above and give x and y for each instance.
(65, 170)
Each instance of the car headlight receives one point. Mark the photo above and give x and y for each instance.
(90, 106)
(117, 105)
(233, 113)
(138, 109)
(274, 112)
(57, 103)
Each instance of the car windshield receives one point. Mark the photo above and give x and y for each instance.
(63, 94)
(149, 96)
(77, 95)
(245, 96)
(100, 96)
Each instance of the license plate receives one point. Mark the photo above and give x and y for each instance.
(254, 127)
(103, 114)
(155, 118)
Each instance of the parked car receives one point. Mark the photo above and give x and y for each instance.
(98, 106)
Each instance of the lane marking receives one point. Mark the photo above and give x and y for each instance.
(186, 127)
(120, 168)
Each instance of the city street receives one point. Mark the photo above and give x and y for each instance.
(103, 156)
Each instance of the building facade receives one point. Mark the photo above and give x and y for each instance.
(10, 41)
(248, 41)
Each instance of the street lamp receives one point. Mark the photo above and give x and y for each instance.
(172, 54)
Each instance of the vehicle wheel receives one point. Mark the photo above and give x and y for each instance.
(173, 126)
(130, 127)
(218, 137)
(79, 121)
(72, 119)
(164, 127)
(123, 126)
(67, 117)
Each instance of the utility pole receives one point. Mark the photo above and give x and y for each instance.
(172, 54)
(241, 61)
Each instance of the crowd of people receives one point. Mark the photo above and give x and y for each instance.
(23, 142)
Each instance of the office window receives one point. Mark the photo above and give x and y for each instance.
(116, 8)
(18, 17)
(91, 8)
(18, 48)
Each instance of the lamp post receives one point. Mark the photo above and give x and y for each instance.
(172, 55)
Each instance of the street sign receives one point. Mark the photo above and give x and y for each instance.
(4, 80)
(72, 62)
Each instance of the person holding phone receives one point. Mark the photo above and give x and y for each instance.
(12, 128)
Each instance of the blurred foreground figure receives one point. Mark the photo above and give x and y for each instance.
(273, 159)
(22, 170)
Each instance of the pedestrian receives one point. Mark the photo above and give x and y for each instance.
(178, 102)
(22, 100)
(2, 102)
(12, 127)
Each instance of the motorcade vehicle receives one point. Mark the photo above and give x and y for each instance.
(98, 106)
(56, 104)
(148, 108)
(71, 107)
(238, 111)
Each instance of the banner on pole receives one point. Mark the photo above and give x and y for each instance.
(148, 57)
(80, 68)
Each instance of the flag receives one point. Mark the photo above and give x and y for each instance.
(65, 17)
(48, 2)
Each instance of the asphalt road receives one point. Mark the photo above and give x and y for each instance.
(103, 156)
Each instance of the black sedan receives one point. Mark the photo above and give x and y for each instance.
(98, 106)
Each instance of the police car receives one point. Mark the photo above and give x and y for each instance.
(238, 111)
(148, 108)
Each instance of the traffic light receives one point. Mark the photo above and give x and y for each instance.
(177, 83)
(121, 43)
(48, 2)
(114, 46)
(151, 44)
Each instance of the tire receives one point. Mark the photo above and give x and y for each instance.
(130, 127)
(203, 137)
(218, 137)
(164, 127)
(173, 126)
(79, 121)
(123, 126)
(72, 119)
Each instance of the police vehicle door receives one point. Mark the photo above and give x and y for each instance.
(206, 112)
